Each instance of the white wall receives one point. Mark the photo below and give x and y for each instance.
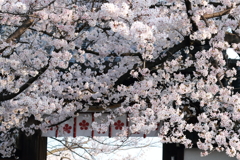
(194, 154)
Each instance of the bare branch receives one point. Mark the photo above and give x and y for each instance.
(61, 149)
(67, 148)
(217, 14)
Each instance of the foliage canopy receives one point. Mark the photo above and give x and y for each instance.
(157, 61)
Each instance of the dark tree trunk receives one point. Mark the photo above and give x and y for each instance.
(33, 147)
(172, 151)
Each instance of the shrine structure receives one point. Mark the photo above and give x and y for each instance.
(82, 126)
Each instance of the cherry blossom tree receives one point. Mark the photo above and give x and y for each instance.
(158, 61)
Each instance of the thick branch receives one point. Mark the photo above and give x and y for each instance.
(171, 51)
(205, 20)
(7, 96)
(98, 109)
(217, 14)
(215, 4)
(231, 38)
(125, 76)
(151, 65)
(82, 27)
(17, 34)
(91, 109)
(92, 52)
(131, 54)
(112, 54)
(188, 10)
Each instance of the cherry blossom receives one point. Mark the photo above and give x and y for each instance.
(159, 62)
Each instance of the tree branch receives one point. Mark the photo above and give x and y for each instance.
(39, 9)
(4, 96)
(67, 148)
(231, 38)
(151, 65)
(188, 9)
(174, 49)
(217, 14)
(205, 20)
(17, 34)
(215, 4)
(124, 77)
